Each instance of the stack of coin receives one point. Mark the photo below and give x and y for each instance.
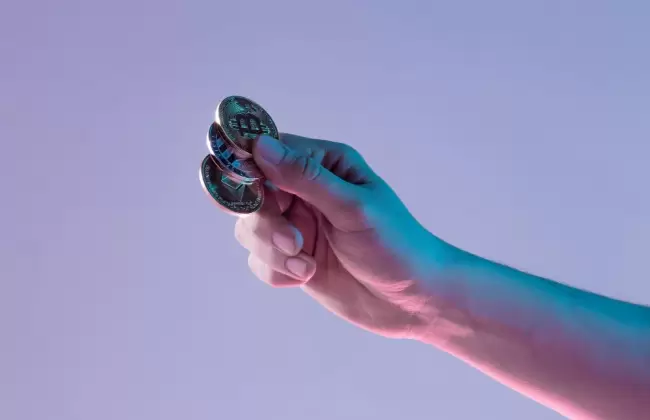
(228, 174)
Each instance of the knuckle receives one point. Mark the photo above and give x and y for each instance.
(289, 157)
(240, 231)
(300, 166)
(252, 263)
(294, 161)
(311, 169)
(257, 226)
(259, 269)
(347, 150)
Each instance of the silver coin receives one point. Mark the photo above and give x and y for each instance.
(242, 121)
(242, 170)
(231, 196)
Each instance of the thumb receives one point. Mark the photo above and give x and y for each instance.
(298, 173)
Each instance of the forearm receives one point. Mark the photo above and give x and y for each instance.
(581, 354)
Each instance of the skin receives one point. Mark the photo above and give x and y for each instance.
(334, 228)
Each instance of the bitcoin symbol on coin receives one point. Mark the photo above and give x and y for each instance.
(248, 125)
(242, 120)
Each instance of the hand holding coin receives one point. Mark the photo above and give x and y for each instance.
(333, 227)
(318, 217)
(325, 222)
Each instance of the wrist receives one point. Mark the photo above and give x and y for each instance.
(441, 317)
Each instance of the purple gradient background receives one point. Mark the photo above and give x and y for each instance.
(516, 130)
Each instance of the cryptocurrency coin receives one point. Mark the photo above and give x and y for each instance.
(242, 121)
(243, 170)
(231, 196)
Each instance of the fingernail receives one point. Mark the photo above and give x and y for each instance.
(270, 149)
(299, 267)
(284, 242)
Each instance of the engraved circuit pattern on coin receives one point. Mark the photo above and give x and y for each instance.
(243, 120)
(242, 170)
(233, 197)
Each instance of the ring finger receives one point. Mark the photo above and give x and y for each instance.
(300, 266)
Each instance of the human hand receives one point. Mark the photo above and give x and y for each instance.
(333, 227)
(359, 252)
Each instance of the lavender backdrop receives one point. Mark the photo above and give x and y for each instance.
(516, 130)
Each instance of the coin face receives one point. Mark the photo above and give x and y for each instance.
(242, 170)
(243, 120)
(231, 196)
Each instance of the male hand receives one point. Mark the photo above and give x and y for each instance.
(332, 226)
(336, 229)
